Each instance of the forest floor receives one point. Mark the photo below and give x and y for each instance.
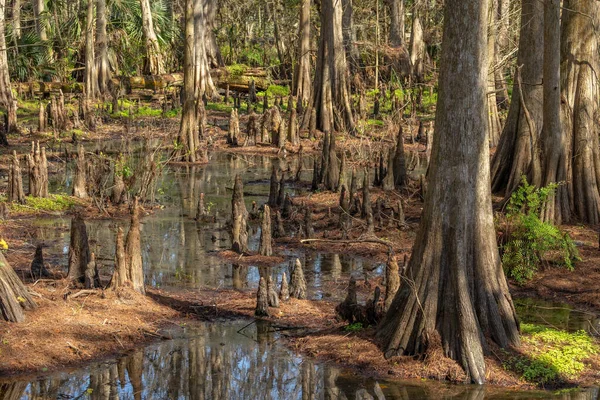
(71, 328)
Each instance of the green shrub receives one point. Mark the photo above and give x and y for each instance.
(531, 242)
(276, 90)
(237, 69)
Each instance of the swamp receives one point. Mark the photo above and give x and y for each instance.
(298, 199)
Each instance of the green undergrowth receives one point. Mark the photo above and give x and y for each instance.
(355, 327)
(53, 203)
(528, 242)
(553, 356)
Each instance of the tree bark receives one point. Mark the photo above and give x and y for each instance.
(212, 49)
(262, 299)
(517, 151)
(454, 287)
(555, 141)
(239, 218)
(349, 35)
(187, 129)
(102, 64)
(16, 19)
(204, 83)
(14, 296)
(79, 179)
(417, 46)
(121, 274)
(153, 64)
(302, 79)
(15, 181)
(266, 248)
(7, 100)
(297, 281)
(396, 22)
(91, 74)
(579, 94)
(133, 251)
(330, 96)
(79, 249)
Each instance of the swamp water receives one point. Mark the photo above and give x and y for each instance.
(224, 360)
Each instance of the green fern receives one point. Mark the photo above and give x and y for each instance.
(531, 242)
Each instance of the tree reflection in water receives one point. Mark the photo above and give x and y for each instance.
(222, 361)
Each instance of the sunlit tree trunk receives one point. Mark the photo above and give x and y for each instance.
(417, 44)
(454, 293)
(154, 62)
(91, 75)
(580, 95)
(102, 65)
(349, 34)
(212, 49)
(7, 100)
(555, 141)
(330, 95)
(204, 82)
(186, 141)
(517, 151)
(302, 79)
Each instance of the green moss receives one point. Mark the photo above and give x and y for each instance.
(374, 122)
(355, 327)
(56, 202)
(219, 107)
(237, 69)
(554, 354)
(276, 90)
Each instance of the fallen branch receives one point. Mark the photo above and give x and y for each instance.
(365, 240)
(86, 292)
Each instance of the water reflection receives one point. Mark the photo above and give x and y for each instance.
(236, 360)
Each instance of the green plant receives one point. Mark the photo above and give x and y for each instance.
(355, 327)
(276, 90)
(529, 241)
(553, 354)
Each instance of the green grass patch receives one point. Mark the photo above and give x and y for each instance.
(276, 90)
(237, 69)
(55, 202)
(554, 355)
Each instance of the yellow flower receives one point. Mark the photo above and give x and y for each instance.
(3, 244)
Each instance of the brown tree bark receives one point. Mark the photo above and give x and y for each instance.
(399, 164)
(79, 249)
(417, 45)
(284, 291)
(454, 287)
(79, 178)
(212, 49)
(7, 100)
(297, 281)
(517, 151)
(266, 248)
(204, 82)
(302, 79)
(239, 218)
(120, 275)
(396, 22)
(186, 139)
(262, 299)
(102, 64)
(91, 74)
(154, 63)
(555, 141)
(14, 296)
(15, 181)
(330, 96)
(580, 108)
(38, 171)
(133, 251)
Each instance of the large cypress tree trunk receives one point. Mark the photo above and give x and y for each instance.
(102, 65)
(187, 128)
(79, 249)
(330, 96)
(133, 251)
(153, 63)
(580, 94)
(7, 101)
(516, 154)
(556, 141)
(212, 49)
(454, 287)
(14, 296)
(204, 82)
(302, 79)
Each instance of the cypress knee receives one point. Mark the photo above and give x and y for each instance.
(266, 248)
(272, 293)
(262, 299)
(284, 291)
(298, 283)
(239, 218)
